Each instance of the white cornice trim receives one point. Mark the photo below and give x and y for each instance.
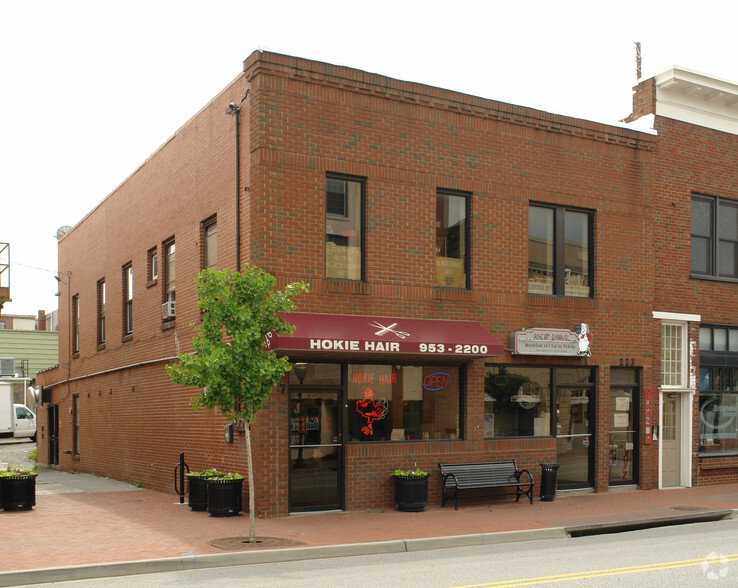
(677, 316)
(698, 99)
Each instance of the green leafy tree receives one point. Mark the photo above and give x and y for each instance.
(230, 361)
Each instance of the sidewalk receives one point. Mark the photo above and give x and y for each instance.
(83, 526)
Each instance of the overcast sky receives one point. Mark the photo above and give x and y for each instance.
(89, 89)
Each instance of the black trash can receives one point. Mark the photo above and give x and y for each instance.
(548, 481)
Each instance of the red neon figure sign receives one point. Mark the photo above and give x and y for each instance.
(371, 410)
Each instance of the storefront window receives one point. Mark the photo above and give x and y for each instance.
(398, 403)
(718, 411)
(517, 402)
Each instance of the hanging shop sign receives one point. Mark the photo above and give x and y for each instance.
(357, 335)
(542, 341)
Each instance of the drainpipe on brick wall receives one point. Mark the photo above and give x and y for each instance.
(234, 110)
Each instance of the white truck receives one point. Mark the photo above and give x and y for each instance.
(16, 420)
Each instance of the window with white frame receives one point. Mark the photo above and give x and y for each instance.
(673, 355)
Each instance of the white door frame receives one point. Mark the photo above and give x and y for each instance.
(685, 441)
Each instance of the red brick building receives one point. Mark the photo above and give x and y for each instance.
(487, 282)
(695, 192)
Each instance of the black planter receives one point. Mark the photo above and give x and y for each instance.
(197, 492)
(224, 497)
(411, 493)
(18, 492)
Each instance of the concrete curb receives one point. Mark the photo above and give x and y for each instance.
(212, 560)
(650, 523)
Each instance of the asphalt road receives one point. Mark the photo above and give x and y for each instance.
(703, 554)
(15, 452)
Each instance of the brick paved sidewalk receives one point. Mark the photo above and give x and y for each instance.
(73, 527)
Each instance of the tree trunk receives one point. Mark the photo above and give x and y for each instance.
(250, 471)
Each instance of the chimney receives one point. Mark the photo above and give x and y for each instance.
(41, 322)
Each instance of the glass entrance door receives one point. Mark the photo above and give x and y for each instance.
(574, 437)
(316, 451)
(623, 448)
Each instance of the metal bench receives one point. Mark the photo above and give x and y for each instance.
(500, 474)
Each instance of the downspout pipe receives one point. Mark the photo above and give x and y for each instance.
(235, 110)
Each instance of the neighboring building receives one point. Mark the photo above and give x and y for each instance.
(487, 281)
(26, 346)
(25, 351)
(18, 322)
(695, 248)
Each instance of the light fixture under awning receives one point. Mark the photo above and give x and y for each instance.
(351, 334)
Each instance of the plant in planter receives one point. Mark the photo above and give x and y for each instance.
(198, 489)
(18, 489)
(411, 489)
(224, 494)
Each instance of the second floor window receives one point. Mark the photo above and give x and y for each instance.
(452, 240)
(169, 280)
(127, 299)
(210, 243)
(559, 251)
(344, 238)
(75, 323)
(101, 312)
(153, 265)
(714, 237)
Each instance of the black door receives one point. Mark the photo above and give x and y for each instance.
(53, 432)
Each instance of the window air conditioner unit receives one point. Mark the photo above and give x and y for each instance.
(7, 367)
(167, 309)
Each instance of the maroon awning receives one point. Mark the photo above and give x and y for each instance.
(330, 334)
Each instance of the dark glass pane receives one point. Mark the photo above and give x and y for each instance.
(540, 250)
(451, 238)
(576, 254)
(700, 256)
(727, 255)
(702, 218)
(343, 229)
(728, 222)
(705, 338)
(733, 340)
(705, 379)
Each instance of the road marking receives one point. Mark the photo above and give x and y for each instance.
(601, 573)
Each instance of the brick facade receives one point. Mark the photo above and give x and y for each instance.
(303, 120)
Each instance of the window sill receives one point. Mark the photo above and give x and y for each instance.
(560, 301)
(713, 278)
(75, 355)
(445, 293)
(168, 324)
(127, 338)
(345, 286)
(151, 283)
(717, 466)
(100, 346)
